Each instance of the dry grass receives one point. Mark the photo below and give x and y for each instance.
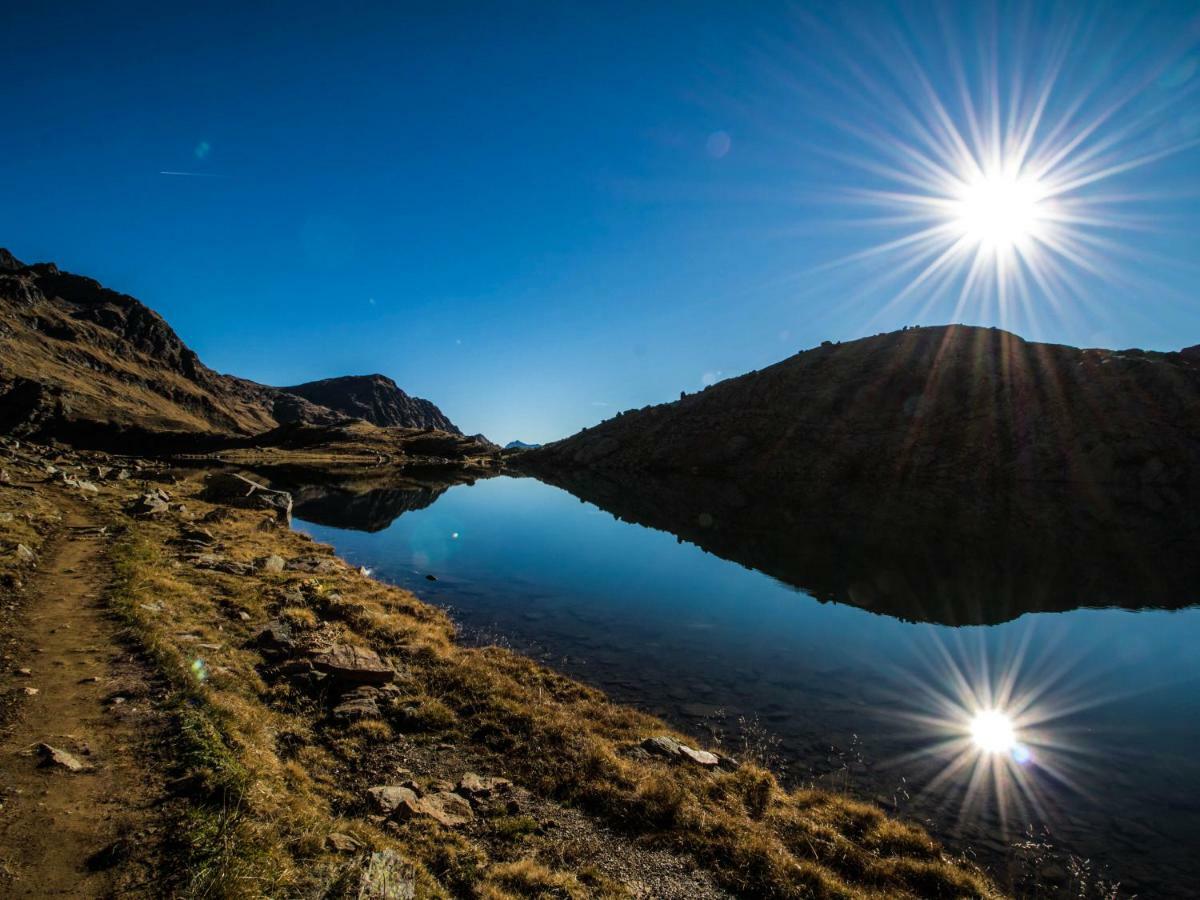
(275, 775)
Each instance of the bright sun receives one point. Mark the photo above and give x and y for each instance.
(992, 731)
(1000, 211)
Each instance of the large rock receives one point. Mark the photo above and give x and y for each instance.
(232, 489)
(353, 665)
(387, 798)
(444, 807)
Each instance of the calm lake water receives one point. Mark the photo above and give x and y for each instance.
(1103, 784)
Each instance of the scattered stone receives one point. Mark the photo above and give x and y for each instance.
(52, 756)
(342, 843)
(30, 691)
(199, 536)
(277, 639)
(357, 704)
(123, 475)
(216, 514)
(671, 749)
(149, 505)
(353, 665)
(387, 798)
(476, 787)
(447, 808)
(272, 563)
(24, 554)
(5, 478)
(700, 757)
(91, 679)
(25, 673)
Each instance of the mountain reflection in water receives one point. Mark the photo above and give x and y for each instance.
(922, 554)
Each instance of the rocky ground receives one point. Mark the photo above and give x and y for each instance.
(225, 708)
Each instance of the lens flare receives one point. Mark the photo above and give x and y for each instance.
(1001, 213)
(992, 732)
(997, 178)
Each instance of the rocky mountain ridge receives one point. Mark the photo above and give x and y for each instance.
(375, 398)
(92, 366)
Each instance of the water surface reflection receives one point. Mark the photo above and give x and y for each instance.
(1105, 700)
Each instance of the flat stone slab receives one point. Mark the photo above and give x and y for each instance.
(670, 748)
(353, 665)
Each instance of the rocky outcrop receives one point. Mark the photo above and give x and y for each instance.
(375, 398)
(951, 404)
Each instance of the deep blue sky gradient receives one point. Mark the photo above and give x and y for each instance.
(536, 214)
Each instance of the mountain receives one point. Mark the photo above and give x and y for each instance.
(375, 398)
(91, 366)
(521, 445)
(948, 404)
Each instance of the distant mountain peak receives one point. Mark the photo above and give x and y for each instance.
(89, 365)
(375, 398)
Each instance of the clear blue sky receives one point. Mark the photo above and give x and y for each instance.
(536, 214)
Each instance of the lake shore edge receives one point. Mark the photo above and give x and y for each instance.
(322, 728)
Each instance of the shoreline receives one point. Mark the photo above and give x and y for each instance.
(498, 766)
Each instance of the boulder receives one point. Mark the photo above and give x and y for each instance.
(353, 665)
(271, 563)
(238, 490)
(24, 554)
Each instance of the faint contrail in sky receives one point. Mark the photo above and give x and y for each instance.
(195, 174)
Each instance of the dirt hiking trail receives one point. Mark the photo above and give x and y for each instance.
(67, 833)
